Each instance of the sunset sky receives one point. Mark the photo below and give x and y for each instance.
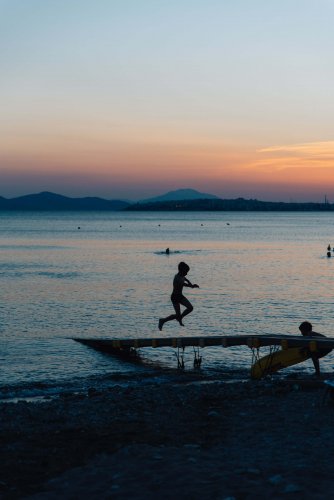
(132, 98)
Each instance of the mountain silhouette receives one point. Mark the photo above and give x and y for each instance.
(51, 201)
(180, 194)
(179, 200)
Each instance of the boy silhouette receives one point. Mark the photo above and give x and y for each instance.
(306, 330)
(177, 297)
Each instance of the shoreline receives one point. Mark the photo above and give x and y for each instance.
(212, 439)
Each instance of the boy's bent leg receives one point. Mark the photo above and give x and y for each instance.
(162, 321)
(178, 315)
(189, 308)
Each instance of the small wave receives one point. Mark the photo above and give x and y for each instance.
(49, 274)
(36, 392)
(43, 391)
(22, 270)
(32, 247)
(26, 266)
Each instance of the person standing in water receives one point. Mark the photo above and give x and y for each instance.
(306, 330)
(177, 297)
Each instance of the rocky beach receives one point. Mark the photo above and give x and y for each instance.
(186, 439)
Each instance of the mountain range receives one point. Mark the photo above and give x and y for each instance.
(51, 201)
(179, 200)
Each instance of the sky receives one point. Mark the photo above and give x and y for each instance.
(129, 99)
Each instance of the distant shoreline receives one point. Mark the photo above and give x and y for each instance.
(52, 202)
(237, 205)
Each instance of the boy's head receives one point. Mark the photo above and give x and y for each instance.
(305, 328)
(183, 268)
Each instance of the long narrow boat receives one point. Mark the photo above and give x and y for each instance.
(294, 349)
(252, 341)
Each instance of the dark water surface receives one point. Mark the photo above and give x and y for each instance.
(258, 273)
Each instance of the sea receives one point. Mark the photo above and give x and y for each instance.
(107, 275)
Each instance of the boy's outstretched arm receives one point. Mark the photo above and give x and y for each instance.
(189, 284)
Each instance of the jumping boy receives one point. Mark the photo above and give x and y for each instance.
(177, 297)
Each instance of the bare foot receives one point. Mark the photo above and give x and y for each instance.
(161, 322)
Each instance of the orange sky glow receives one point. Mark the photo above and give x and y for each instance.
(230, 106)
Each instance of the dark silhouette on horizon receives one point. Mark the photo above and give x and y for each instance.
(47, 201)
(50, 201)
(235, 205)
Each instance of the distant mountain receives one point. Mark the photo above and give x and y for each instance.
(196, 201)
(181, 194)
(51, 201)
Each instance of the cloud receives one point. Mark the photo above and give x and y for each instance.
(296, 156)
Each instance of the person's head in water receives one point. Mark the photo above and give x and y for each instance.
(183, 268)
(305, 328)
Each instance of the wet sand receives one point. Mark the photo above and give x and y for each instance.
(216, 440)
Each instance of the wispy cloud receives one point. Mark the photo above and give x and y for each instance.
(304, 155)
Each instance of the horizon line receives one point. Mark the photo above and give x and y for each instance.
(147, 200)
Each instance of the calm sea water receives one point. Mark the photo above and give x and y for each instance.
(106, 275)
